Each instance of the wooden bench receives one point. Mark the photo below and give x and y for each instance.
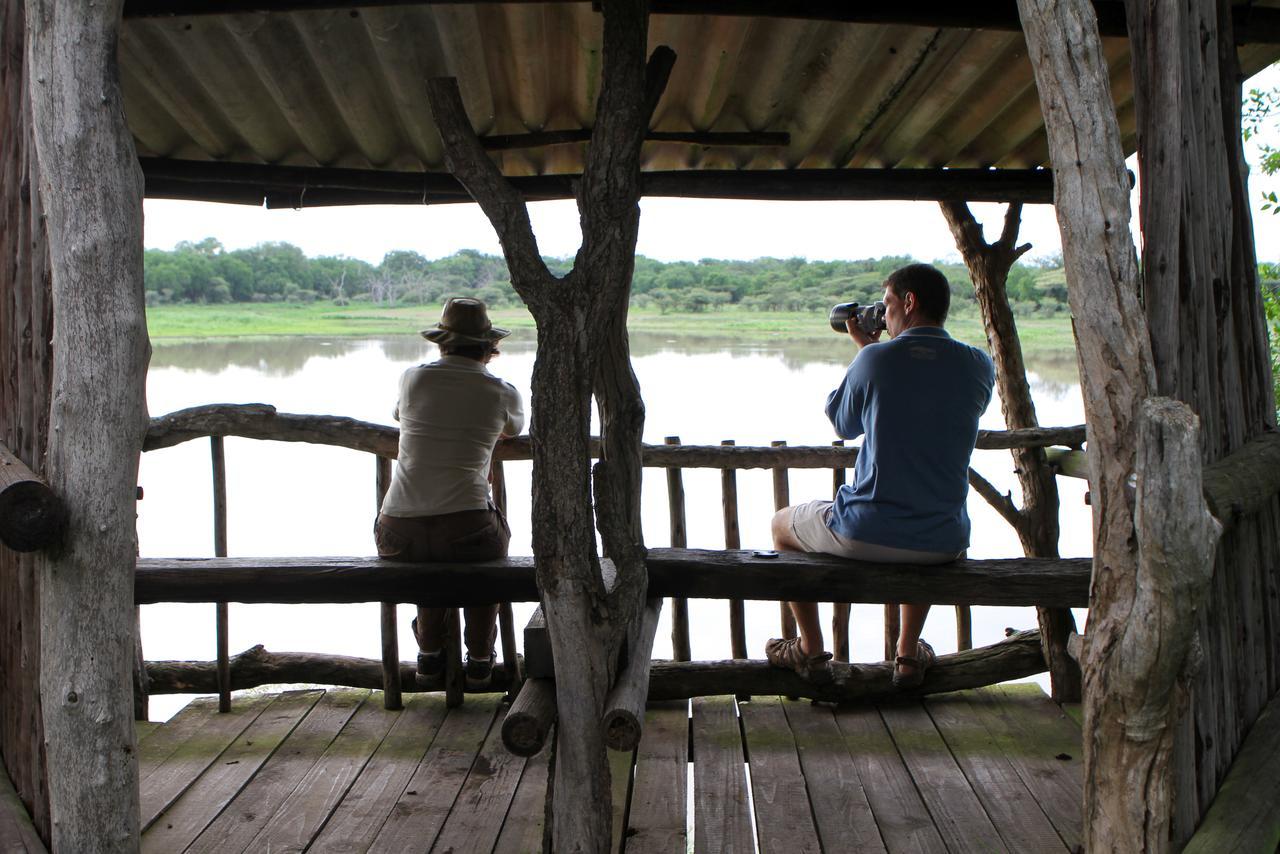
(691, 573)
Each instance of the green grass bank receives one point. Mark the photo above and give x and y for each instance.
(362, 320)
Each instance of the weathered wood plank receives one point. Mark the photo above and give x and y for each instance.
(784, 822)
(373, 795)
(482, 804)
(144, 729)
(244, 817)
(1012, 808)
(672, 572)
(956, 810)
(187, 723)
(424, 805)
(840, 807)
(201, 803)
(164, 782)
(526, 820)
(722, 808)
(622, 764)
(323, 787)
(902, 817)
(17, 833)
(1243, 816)
(1045, 746)
(656, 820)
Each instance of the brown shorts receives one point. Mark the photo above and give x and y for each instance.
(466, 535)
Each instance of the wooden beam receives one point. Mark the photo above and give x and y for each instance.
(1252, 25)
(624, 707)
(31, 515)
(258, 666)
(302, 186)
(262, 421)
(1014, 657)
(525, 728)
(692, 573)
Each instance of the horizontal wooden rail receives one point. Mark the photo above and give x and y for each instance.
(689, 573)
(1014, 657)
(31, 515)
(262, 421)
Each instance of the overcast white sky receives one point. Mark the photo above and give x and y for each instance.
(670, 229)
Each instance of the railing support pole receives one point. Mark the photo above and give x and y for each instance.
(782, 498)
(222, 618)
(391, 697)
(839, 610)
(506, 620)
(733, 540)
(680, 647)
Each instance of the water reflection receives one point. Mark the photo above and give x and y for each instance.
(1054, 368)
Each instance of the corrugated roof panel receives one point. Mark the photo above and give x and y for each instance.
(347, 88)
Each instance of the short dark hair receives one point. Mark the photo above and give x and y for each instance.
(933, 293)
(479, 352)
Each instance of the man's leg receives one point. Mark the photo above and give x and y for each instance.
(912, 618)
(806, 613)
(481, 630)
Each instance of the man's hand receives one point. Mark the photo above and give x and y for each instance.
(859, 337)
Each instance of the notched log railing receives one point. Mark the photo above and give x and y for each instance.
(262, 421)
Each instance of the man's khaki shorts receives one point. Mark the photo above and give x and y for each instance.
(467, 535)
(809, 527)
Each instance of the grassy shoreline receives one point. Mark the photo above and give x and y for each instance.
(182, 323)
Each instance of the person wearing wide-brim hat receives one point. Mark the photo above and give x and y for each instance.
(452, 412)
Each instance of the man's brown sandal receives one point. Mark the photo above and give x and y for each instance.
(923, 659)
(786, 652)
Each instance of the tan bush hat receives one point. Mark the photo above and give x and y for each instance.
(464, 321)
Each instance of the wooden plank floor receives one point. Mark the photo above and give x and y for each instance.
(997, 769)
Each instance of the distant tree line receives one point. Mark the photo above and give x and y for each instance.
(205, 272)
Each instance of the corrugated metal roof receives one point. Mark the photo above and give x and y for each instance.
(346, 88)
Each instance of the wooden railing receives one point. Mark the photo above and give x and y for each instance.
(261, 421)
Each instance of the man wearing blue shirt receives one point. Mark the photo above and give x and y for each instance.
(916, 399)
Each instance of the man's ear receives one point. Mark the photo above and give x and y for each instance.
(908, 302)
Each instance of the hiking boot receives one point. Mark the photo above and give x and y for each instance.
(478, 669)
(430, 668)
(786, 653)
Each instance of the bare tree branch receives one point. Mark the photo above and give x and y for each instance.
(1003, 504)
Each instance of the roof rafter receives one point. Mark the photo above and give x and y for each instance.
(295, 186)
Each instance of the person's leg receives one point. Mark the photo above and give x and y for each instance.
(431, 628)
(806, 613)
(912, 618)
(481, 630)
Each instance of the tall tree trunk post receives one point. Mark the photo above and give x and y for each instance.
(1037, 521)
(91, 187)
(582, 348)
(1149, 558)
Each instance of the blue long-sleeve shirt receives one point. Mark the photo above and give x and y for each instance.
(917, 398)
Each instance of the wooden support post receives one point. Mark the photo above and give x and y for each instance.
(782, 498)
(454, 678)
(733, 540)
(530, 718)
(624, 708)
(964, 627)
(218, 462)
(391, 697)
(892, 628)
(506, 620)
(31, 516)
(680, 647)
(839, 610)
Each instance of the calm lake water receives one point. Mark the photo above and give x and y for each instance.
(295, 499)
